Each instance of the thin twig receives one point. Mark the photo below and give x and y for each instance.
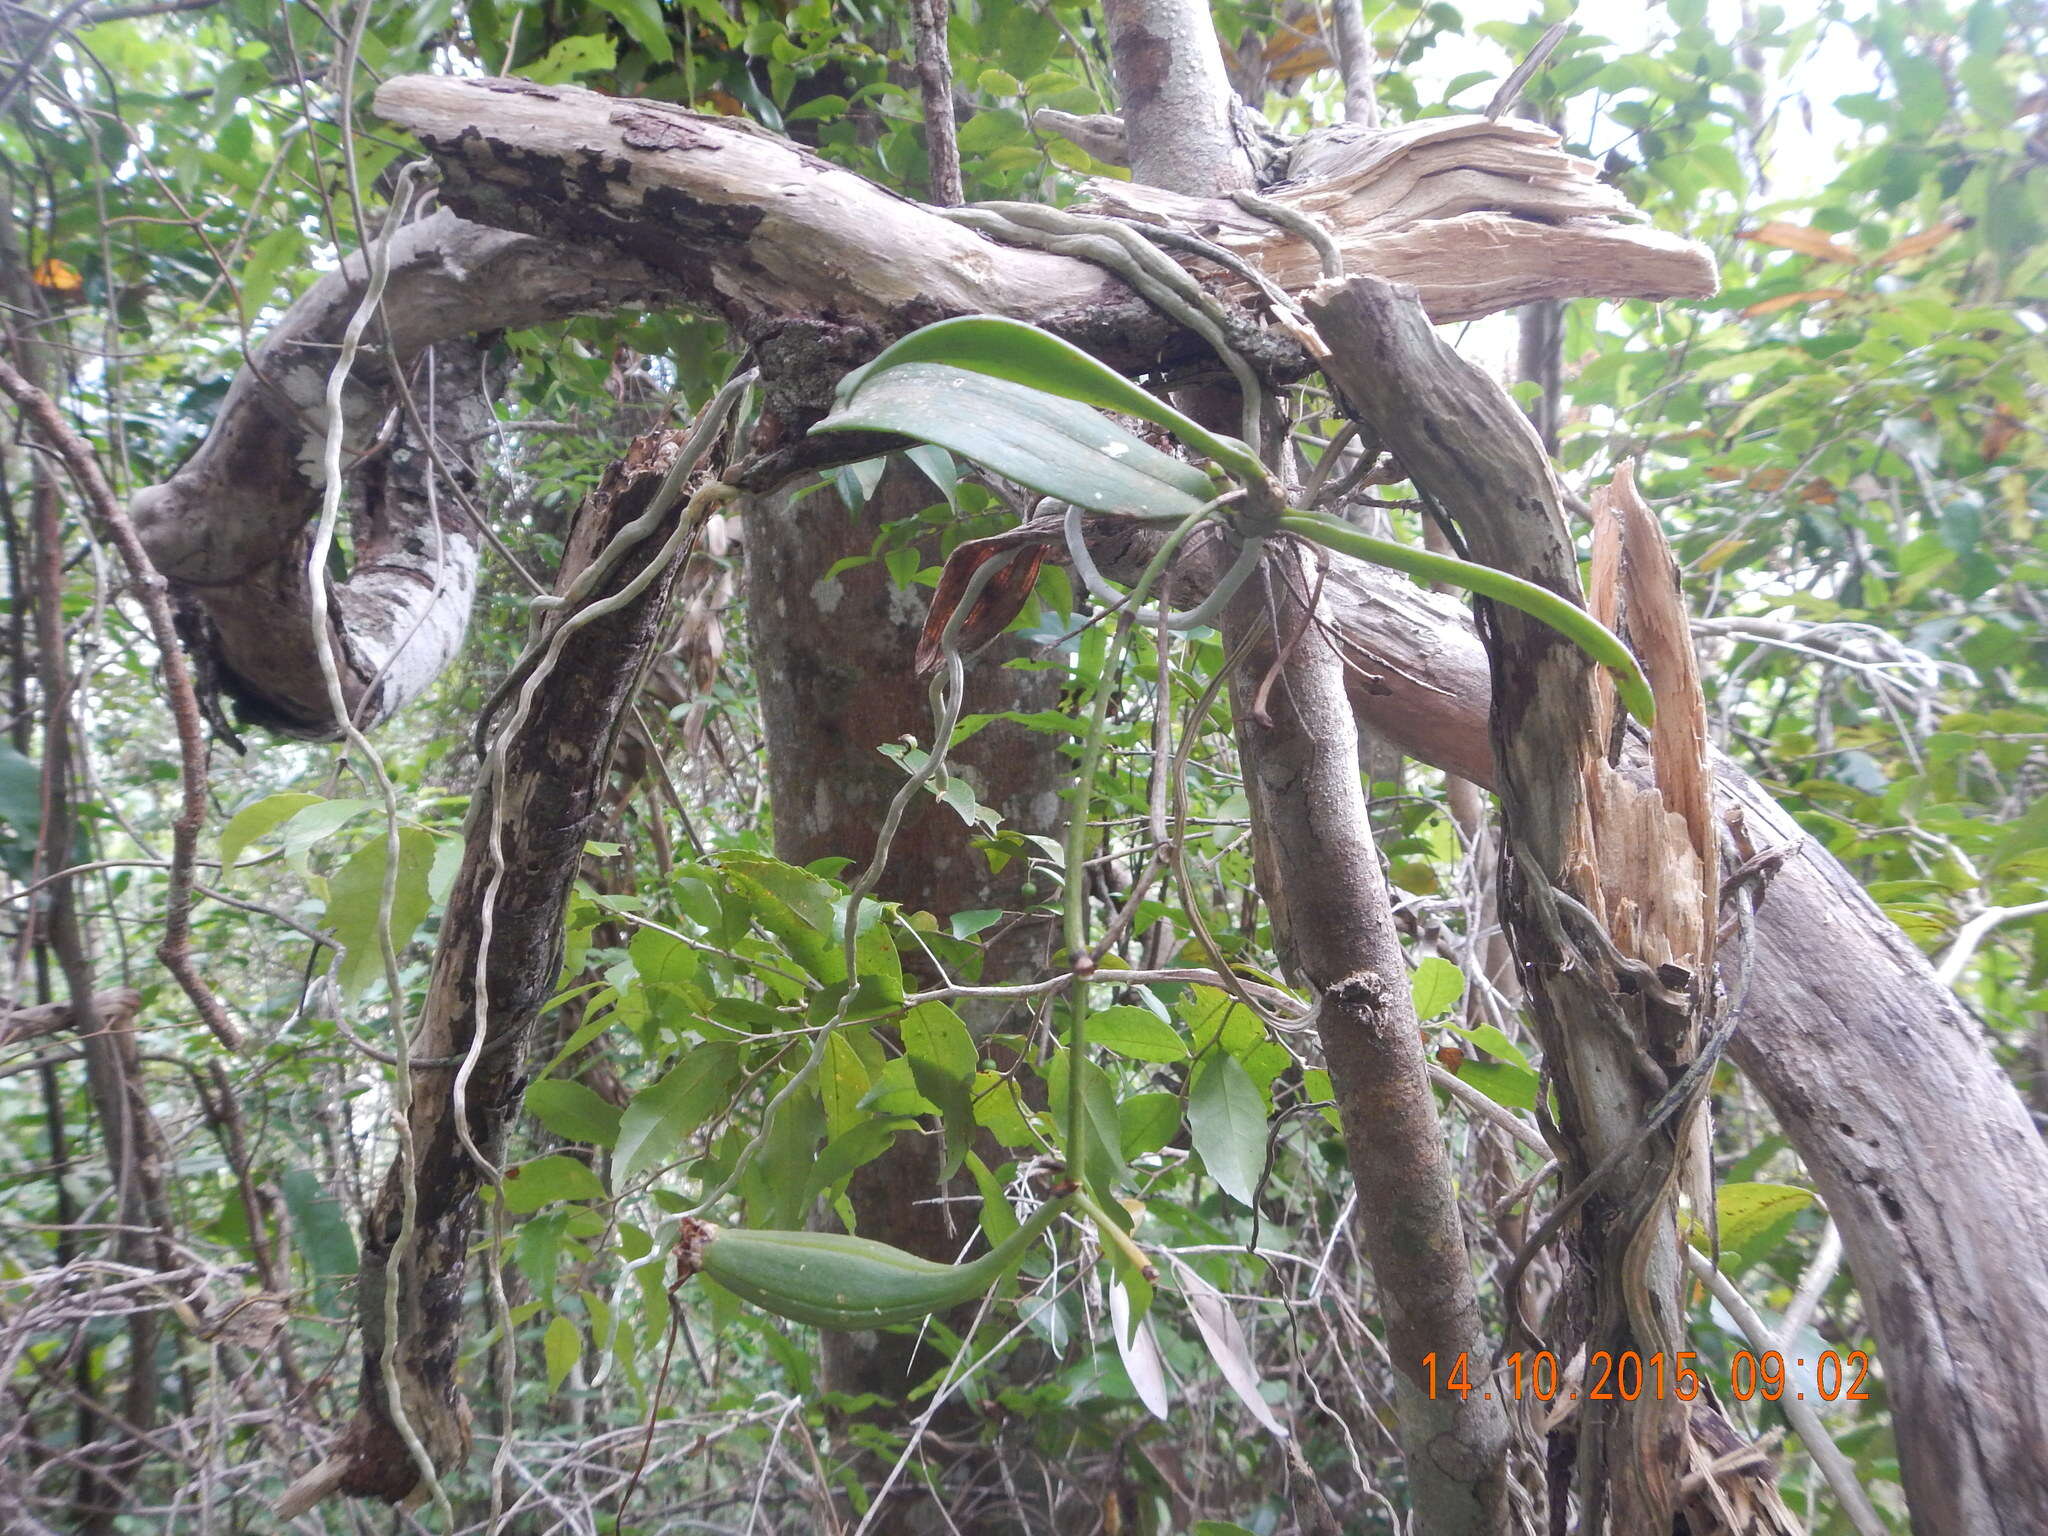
(175, 951)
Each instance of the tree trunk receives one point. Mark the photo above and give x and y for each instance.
(832, 661)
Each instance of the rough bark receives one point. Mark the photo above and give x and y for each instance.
(626, 205)
(554, 777)
(832, 657)
(1922, 1148)
(1322, 879)
(1480, 216)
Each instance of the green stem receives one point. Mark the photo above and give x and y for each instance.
(1561, 614)
(1112, 1232)
(1075, 895)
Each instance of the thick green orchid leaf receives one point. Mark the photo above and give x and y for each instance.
(1053, 445)
(1023, 354)
(1567, 618)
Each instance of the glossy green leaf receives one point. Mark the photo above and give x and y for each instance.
(546, 1180)
(1056, 446)
(1023, 354)
(253, 821)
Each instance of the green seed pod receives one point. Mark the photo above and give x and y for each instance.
(832, 1280)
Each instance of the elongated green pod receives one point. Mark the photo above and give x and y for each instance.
(1567, 618)
(833, 1280)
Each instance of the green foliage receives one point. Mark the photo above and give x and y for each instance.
(1845, 446)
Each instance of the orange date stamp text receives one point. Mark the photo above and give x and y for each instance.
(1830, 1376)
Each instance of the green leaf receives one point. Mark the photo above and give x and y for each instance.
(942, 1063)
(1105, 1161)
(794, 905)
(548, 1179)
(664, 1114)
(1214, 1017)
(1023, 354)
(1227, 1122)
(1752, 1219)
(1513, 1086)
(573, 57)
(1036, 439)
(1137, 1033)
(563, 1347)
(268, 259)
(1437, 985)
(999, 1110)
(1490, 1039)
(1562, 615)
(642, 21)
(21, 807)
(843, 1082)
(661, 959)
(1148, 1122)
(317, 822)
(355, 898)
(573, 1112)
(323, 1232)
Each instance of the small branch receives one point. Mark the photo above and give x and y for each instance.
(1820, 1445)
(1355, 62)
(175, 950)
(111, 1009)
(1972, 935)
(935, 80)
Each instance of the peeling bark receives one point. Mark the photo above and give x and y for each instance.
(1923, 1150)
(1972, 1461)
(230, 528)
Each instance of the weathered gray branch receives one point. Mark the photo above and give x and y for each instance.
(586, 203)
(1923, 1150)
(230, 527)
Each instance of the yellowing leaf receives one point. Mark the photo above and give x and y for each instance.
(563, 1346)
(1787, 300)
(1918, 245)
(1718, 555)
(57, 276)
(1806, 241)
